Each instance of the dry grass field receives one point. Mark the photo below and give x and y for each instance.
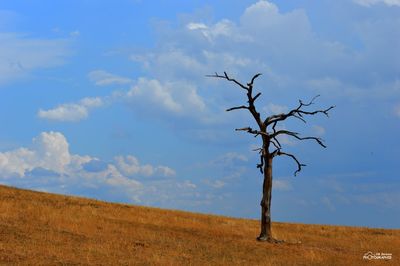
(46, 229)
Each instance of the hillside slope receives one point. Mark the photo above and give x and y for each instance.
(40, 228)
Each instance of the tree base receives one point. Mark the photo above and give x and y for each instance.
(269, 240)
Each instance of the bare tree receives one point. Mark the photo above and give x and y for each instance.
(271, 147)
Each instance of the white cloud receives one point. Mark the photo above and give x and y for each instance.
(369, 3)
(224, 28)
(21, 54)
(257, 43)
(281, 45)
(196, 26)
(71, 112)
(115, 178)
(104, 78)
(176, 98)
(165, 171)
(91, 102)
(49, 165)
(129, 165)
(148, 96)
(153, 91)
(16, 162)
(49, 151)
(53, 150)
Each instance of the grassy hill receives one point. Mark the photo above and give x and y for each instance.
(40, 228)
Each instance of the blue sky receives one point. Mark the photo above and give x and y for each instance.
(111, 101)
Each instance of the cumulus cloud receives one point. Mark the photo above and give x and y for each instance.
(49, 165)
(150, 97)
(177, 98)
(281, 45)
(104, 78)
(369, 3)
(288, 52)
(117, 179)
(49, 151)
(71, 112)
(129, 165)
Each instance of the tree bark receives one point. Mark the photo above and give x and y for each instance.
(265, 234)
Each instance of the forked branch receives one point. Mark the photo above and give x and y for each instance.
(297, 113)
(225, 76)
(250, 98)
(299, 165)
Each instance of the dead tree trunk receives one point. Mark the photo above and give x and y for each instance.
(271, 138)
(266, 234)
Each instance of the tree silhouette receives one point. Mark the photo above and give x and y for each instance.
(271, 147)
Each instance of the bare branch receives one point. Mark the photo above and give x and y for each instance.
(311, 102)
(297, 113)
(296, 135)
(299, 165)
(325, 112)
(275, 144)
(237, 107)
(225, 76)
(282, 131)
(299, 117)
(254, 78)
(252, 131)
(275, 152)
(258, 149)
(250, 98)
(255, 97)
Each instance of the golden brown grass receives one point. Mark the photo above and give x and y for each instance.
(45, 229)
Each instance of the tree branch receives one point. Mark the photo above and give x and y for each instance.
(252, 131)
(299, 165)
(225, 76)
(277, 145)
(297, 113)
(250, 98)
(296, 135)
(253, 79)
(255, 97)
(237, 107)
